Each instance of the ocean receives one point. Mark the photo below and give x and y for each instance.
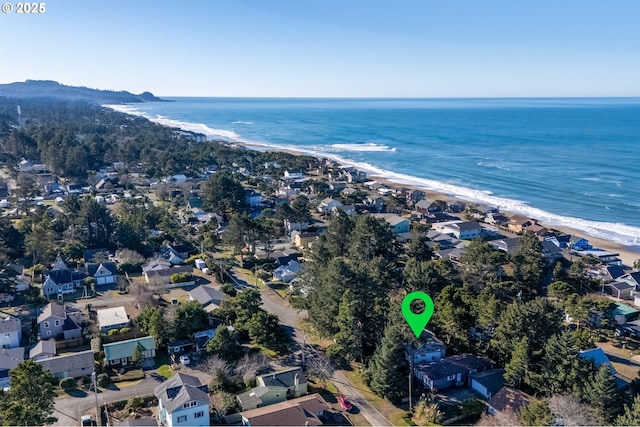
(567, 162)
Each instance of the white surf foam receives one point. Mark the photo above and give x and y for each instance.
(364, 147)
(228, 135)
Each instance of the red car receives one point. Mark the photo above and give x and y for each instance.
(344, 402)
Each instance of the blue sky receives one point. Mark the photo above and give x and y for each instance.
(345, 48)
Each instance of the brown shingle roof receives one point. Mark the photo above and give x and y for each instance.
(296, 412)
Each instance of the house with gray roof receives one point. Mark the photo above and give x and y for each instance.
(69, 365)
(121, 352)
(451, 371)
(54, 322)
(44, 349)
(105, 273)
(112, 318)
(293, 380)
(10, 332)
(183, 401)
(261, 396)
(487, 383)
(209, 297)
(10, 358)
(397, 223)
(61, 280)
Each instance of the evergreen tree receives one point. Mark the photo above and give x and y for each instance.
(223, 345)
(631, 415)
(190, 317)
(350, 334)
(536, 413)
(30, 400)
(480, 264)
(516, 370)
(601, 392)
(387, 373)
(264, 329)
(223, 193)
(529, 263)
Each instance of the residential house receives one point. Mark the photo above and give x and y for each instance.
(293, 175)
(327, 205)
(54, 322)
(10, 358)
(286, 273)
(460, 230)
(509, 245)
(61, 280)
(538, 229)
(605, 257)
(112, 318)
(253, 197)
(496, 219)
(451, 371)
(292, 379)
(168, 253)
(551, 251)
(10, 332)
(21, 281)
(612, 272)
(105, 273)
(453, 254)
(429, 349)
(163, 277)
(44, 349)
(180, 347)
(183, 401)
(414, 196)
(487, 383)
(303, 240)
(374, 203)
(580, 244)
(121, 352)
(207, 296)
(397, 223)
(176, 179)
(154, 265)
(355, 176)
(290, 226)
(519, 223)
(347, 209)
(456, 206)
(201, 338)
(73, 365)
(619, 289)
(303, 411)
(337, 186)
(258, 397)
(599, 357)
(507, 400)
(427, 206)
(632, 278)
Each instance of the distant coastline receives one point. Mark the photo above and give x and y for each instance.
(612, 240)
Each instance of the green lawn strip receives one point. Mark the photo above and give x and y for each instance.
(165, 371)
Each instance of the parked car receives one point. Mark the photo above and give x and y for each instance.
(184, 359)
(86, 420)
(344, 402)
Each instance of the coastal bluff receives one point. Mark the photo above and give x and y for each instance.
(54, 90)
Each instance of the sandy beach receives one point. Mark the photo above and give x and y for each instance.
(627, 254)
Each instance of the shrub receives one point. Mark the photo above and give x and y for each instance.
(135, 402)
(67, 383)
(103, 380)
(113, 332)
(228, 289)
(131, 375)
(181, 277)
(124, 330)
(334, 352)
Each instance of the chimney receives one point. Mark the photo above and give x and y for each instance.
(296, 381)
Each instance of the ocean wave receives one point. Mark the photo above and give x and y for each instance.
(228, 135)
(364, 147)
(241, 122)
(614, 232)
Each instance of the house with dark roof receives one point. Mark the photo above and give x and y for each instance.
(209, 297)
(105, 273)
(507, 400)
(183, 401)
(451, 371)
(61, 280)
(487, 383)
(10, 358)
(632, 278)
(95, 256)
(163, 276)
(428, 349)
(303, 411)
(73, 365)
(293, 380)
(619, 289)
(54, 322)
(612, 272)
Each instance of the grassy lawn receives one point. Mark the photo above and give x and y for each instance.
(165, 371)
(393, 414)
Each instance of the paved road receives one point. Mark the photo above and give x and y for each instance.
(70, 409)
(289, 317)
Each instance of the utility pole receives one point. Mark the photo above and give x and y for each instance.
(95, 389)
(304, 346)
(410, 378)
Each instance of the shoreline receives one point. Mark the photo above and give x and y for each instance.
(626, 253)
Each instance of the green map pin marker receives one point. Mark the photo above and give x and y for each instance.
(417, 321)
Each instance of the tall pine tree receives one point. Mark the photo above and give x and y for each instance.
(388, 370)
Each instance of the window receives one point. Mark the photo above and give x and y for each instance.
(451, 377)
(46, 324)
(7, 336)
(57, 323)
(199, 414)
(48, 333)
(190, 404)
(182, 418)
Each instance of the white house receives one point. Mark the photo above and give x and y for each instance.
(105, 273)
(10, 332)
(112, 318)
(288, 272)
(183, 401)
(293, 175)
(459, 229)
(327, 205)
